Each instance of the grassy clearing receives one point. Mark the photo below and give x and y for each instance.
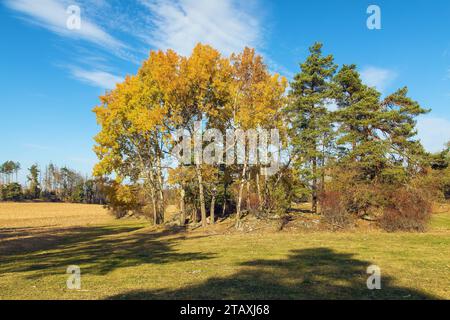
(131, 260)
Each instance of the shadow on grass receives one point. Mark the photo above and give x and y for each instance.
(31, 239)
(97, 250)
(318, 273)
(11, 233)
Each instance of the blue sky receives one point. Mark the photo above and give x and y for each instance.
(51, 76)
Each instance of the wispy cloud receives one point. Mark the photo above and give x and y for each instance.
(130, 31)
(433, 132)
(52, 15)
(378, 77)
(96, 78)
(180, 24)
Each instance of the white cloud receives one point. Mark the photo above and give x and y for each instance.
(52, 15)
(96, 78)
(227, 25)
(378, 77)
(181, 24)
(433, 132)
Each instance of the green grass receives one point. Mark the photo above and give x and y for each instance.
(129, 260)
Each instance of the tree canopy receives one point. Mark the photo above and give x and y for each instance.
(371, 135)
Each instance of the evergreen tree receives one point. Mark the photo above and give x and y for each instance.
(376, 136)
(311, 128)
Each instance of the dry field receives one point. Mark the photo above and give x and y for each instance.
(128, 259)
(17, 215)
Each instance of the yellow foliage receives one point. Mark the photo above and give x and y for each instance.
(171, 91)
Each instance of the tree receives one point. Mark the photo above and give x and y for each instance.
(2, 174)
(33, 178)
(376, 135)
(257, 98)
(16, 170)
(8, 169)
(310, 122)
(200, 93)
(130, 143)
(378, 160)
(170, 92)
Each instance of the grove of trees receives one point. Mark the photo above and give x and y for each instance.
(360, 159)
(53, 184)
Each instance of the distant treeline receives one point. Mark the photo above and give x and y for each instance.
(52, 184)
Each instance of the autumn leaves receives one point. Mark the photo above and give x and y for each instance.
(171, 92)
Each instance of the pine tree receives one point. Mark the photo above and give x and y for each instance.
(311, 128)
(375, 135)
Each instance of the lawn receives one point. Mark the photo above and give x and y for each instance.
(128, 259)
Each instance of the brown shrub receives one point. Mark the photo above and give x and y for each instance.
(253, 201)
(397, 205)
(334, 211)
(409, 210)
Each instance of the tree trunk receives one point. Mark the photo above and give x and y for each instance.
(151, 187)
(201, 194)
(182, 208)
(322, 182)
(160, 193)
(225, 190)
(314, 186)
(248, 191)
(150, 190)
(241, 189)
(322, 173)
(258, 189)
(155, 210)
(213, 204)
(225, 199)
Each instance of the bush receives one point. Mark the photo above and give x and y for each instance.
(11, 192)
(122, 199)
(446, 184)
(278, 192)
(409, 210)
(394, 205)
(334, 211)
(49, 196)
(433, 183)
(358, 198)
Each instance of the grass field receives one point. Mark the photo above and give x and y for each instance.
(129, 259)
